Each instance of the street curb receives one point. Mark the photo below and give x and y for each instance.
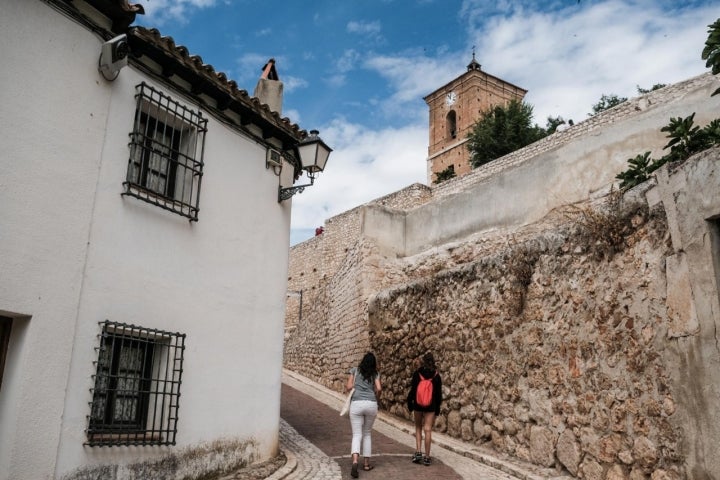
(289, 467)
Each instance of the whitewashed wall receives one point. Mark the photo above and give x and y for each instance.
(74, 252)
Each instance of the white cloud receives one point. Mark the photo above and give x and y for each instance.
(291, 83)
(568, 58)
(365, 164)
(159, 12)
(348, 60)
(364, 27)
(370, 30)
(293, 115)
(250, 67)
(411, 76)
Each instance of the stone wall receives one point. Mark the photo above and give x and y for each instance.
(556, 345)
(321, 349)
(314, 263)
(337, 271)
(550, 349)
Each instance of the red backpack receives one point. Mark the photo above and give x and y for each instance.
(424, 394)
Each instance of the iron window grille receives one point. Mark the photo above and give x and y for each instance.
(136, 386)
(166, 153)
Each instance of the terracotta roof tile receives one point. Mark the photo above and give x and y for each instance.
(220, 80)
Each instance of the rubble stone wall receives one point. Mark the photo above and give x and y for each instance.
(563, 369)
(555, 346)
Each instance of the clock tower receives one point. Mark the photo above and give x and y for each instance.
(454, 109)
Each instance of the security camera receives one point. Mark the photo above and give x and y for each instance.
(113, 56)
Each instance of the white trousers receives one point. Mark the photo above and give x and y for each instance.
(362, 417)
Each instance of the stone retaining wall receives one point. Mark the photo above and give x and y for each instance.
(560, 363)
(554, 347)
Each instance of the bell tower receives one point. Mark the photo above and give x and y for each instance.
(454, 109)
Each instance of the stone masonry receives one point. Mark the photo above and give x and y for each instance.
(583, 341)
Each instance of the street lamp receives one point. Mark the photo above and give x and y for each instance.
(313, 154)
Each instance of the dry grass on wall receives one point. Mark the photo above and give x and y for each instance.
(574, 379)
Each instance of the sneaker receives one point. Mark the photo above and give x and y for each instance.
(417, 457)
(427, 461)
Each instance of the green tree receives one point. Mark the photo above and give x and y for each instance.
(606, 102)
(446, 174)
(553, 123)
(711, 52)
(501, 130)
(657, 86)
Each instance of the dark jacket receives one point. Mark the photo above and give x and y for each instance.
(437, 391)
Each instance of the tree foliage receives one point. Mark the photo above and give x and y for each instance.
(606, 102)
(686, 139)
(711, 52)
(444, 175)
(643, 91)
(553, 123)
(502, 130)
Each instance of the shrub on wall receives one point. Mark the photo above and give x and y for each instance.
(686, 139)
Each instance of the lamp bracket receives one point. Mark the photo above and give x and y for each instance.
(285, 193)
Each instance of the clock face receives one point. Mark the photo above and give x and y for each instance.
(450, 98)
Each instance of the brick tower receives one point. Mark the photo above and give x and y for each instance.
(454, 108)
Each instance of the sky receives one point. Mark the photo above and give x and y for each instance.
(357, 70)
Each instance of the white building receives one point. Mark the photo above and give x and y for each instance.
(143, 252)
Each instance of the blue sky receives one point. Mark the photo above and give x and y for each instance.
(357, 70)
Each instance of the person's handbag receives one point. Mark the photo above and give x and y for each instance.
(346, 406)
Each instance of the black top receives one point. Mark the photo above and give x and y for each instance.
(437, 391)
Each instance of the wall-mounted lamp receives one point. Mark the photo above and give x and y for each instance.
(313, 154)
(113, 57)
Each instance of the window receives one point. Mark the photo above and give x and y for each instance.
(136, 386)
(5, 327)
(451, 124)
(166, 146)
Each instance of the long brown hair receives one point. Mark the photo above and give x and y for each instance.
(368, 367)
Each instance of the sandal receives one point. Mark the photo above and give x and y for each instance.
(367, 468)
(354, 470)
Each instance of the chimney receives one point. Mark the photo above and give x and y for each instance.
(269, 89)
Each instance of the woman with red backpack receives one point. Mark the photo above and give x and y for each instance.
(424, 401)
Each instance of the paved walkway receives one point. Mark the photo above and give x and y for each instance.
(316, 442)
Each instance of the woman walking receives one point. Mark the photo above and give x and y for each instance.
(424, 400)
(365, 379)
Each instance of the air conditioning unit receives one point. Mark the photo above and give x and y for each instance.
(274, 158)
